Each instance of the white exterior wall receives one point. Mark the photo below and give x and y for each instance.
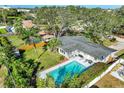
(76, 53)
(86, 56)
(64, 54)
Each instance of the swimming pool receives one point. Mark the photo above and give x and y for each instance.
(71, 69)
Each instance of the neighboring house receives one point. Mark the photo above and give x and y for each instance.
(10, 29)
(23, 10)
(2, 27)
(5, 7)
(32, 15)
(27, 24)
(42, 33)
(47, 38)
(77, 28)
(73, 46)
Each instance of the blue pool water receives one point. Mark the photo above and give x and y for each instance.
(71, 69)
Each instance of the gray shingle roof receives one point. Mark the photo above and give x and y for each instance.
(71, 43)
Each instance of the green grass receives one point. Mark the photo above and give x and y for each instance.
(47, 59)
(3, 74)
(120, 53)
(13, 17)
(122, 56)
(16, 41)
(87, 76)
(3, 31)
(93, 72)
(107, 42)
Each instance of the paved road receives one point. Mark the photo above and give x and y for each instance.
(119, 45)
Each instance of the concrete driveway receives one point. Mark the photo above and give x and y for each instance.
(119, 45)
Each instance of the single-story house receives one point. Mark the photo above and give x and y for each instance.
(27, 23)
(23, 10)
(73, 46)
(2, 27)
(42, 33)
(47, 37)
(10, 29)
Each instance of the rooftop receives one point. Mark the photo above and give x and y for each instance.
(27, 23)
(72, 43)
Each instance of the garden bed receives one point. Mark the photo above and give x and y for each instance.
(47, 58)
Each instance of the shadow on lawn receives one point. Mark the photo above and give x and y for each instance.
(35, 69)
(34, 76)
(42, 54)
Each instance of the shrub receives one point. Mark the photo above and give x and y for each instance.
(48, 82)
(62, 58)
(113, 39)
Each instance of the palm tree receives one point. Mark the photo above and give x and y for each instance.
(28, 35)
(5, 56)
(18, 26)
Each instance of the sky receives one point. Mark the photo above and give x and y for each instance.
(88, 6)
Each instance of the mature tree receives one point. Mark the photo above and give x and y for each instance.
(18, 26)
(57, 19)
(27, 34)
(19, 70)
(53, 44)
(6, 56)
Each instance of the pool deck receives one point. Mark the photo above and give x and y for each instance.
(78, 59)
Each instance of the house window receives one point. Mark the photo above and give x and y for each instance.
(81, 56)
(102, 57)
(62, 51)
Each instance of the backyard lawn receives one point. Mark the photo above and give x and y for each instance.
(16, 41)
(3, 31)
(107, 42)
(120, 53)
(47, 58)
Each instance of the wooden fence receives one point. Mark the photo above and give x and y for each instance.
(27, 47)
